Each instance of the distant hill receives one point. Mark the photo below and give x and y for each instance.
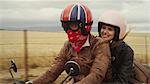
(42, 28)
(56, 28)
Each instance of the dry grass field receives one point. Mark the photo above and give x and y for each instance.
(44, 46)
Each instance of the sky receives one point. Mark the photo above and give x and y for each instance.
(44, 15)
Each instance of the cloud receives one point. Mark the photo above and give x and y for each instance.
(44, 14)
(32, 12)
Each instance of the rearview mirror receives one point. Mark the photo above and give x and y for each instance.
(13, 66)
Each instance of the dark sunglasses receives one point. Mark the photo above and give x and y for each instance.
(72, 25)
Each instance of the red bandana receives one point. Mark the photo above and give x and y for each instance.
(76, 39)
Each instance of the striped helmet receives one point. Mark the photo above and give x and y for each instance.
(77, 13)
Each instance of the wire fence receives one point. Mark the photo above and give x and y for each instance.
(32, 49)
(46, 45)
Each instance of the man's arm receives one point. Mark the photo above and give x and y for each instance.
(55, 70)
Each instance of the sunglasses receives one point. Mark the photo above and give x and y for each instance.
(72, 25)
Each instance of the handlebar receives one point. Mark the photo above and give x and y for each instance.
(71, 67)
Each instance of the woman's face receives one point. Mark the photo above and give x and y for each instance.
(107, 32)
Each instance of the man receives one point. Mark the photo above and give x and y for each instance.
(90, 53)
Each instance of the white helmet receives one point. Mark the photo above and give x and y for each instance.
(115, 19)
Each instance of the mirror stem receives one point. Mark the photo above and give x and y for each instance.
(11, 73)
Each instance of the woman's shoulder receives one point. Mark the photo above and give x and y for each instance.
(123, 46)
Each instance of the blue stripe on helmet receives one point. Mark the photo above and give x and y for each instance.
(74, 13)
(82, 15)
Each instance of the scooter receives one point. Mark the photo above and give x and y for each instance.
(71, 67)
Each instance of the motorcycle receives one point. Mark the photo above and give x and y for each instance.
(71, 67)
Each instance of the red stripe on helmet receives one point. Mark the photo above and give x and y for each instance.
(65, 14)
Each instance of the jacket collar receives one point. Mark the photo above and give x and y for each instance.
(87, 42)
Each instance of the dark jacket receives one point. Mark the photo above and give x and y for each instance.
(122, 62)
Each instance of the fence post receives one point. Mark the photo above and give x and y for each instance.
(146, 57)
(26, 55)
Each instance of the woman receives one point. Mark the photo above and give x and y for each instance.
(92, 54)
(111, 27)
